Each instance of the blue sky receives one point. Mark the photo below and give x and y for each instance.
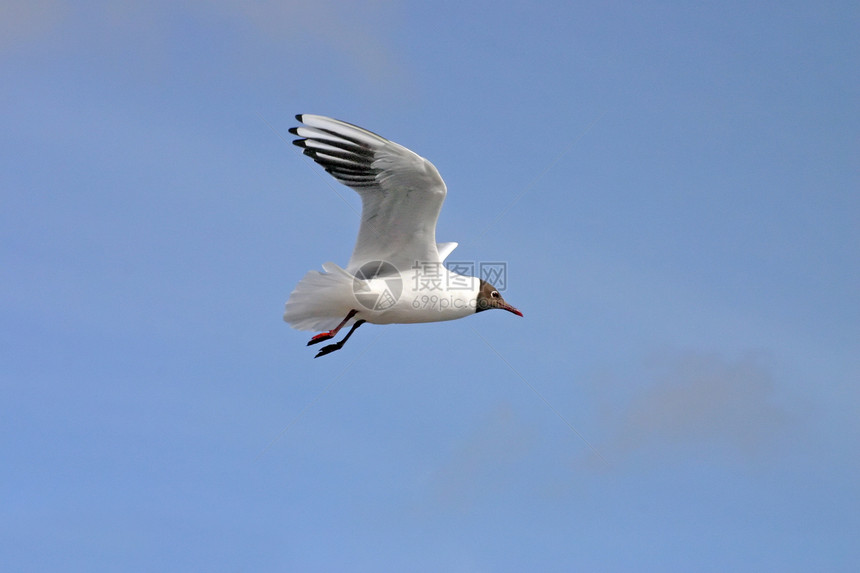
(674, 189)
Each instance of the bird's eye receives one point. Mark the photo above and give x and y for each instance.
(494, 294)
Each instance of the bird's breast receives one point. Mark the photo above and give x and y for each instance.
(418, 295)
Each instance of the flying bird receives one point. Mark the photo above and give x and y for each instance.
(396, 272)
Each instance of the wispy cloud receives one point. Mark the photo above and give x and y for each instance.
(23, 21)
(702, 403)
(355, 33)
(356, 30)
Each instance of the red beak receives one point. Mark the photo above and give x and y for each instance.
(509, 308)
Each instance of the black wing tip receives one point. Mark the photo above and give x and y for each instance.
(300, 143)
(299, 117)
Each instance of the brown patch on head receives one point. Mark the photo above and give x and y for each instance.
(489, 297)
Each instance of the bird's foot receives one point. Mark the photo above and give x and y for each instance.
(321, 337)
(329, 349)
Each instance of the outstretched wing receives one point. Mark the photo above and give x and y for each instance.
(401, 192)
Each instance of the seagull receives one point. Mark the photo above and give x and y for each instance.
(396, 273)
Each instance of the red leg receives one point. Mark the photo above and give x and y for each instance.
(331, 333)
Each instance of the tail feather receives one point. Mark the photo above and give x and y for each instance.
(320, 300)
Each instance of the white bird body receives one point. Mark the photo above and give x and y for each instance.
(321, 300)
(396, 272)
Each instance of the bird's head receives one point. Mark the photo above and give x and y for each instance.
(489, 297)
